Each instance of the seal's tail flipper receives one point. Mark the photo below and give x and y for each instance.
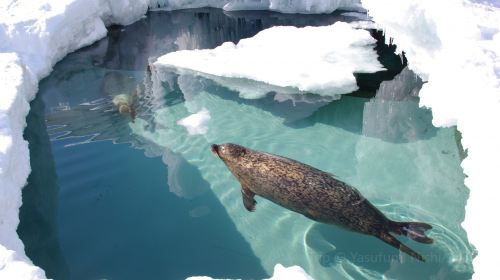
(413, 230)
(391, 240)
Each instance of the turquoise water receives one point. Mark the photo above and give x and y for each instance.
(112, 198)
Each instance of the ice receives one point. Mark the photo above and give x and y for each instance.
(334, 53)
(42, 32)
(294, 6)
(390, 115)
(283, 6)
(170, 5)
(289, 273)
(280, 273)
(17, 87)
(455, 47)
(196, 123)
(254, 5)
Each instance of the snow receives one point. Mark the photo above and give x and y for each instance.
(43, 32)
(455, 47)
(169, 5)
(330, 55)
(196, 123)
(17, 87)
(294, 6)
(289, 273)
(280, 273)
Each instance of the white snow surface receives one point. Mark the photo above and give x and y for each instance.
(289, 273)
(196, 123)
(18, 86)
(329, 57)
(455, 47)
(280, 273)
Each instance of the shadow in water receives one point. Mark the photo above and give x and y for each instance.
(184, 179)
(116, 218)
(362, 255)
(368, 83)
(38, 226)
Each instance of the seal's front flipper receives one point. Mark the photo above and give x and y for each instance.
(389, 239)
(248, 200)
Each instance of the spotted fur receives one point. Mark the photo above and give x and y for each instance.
(314, 193)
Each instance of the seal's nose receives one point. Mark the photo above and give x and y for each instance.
(215, 149)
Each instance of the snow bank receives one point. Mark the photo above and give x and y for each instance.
(42, 32)
(280, 273)
(329, 57)
(196, 123)
(34, 35)
(18, 86)
(455, 46)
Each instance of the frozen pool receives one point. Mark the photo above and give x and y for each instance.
(109, 198)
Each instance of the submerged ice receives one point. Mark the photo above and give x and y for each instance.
(280, 273)
(404, 149)
(329, 57)
(455, 47)
(40, 33)
(196, 123)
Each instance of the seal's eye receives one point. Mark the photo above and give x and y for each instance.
(222, 149)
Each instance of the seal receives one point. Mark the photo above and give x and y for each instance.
(125, 104)
(313, 193)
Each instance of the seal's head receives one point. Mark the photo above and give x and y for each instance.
(228, 152)
(123, 108)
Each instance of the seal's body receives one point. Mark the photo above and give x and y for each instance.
(125, 104)
(315, 194)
